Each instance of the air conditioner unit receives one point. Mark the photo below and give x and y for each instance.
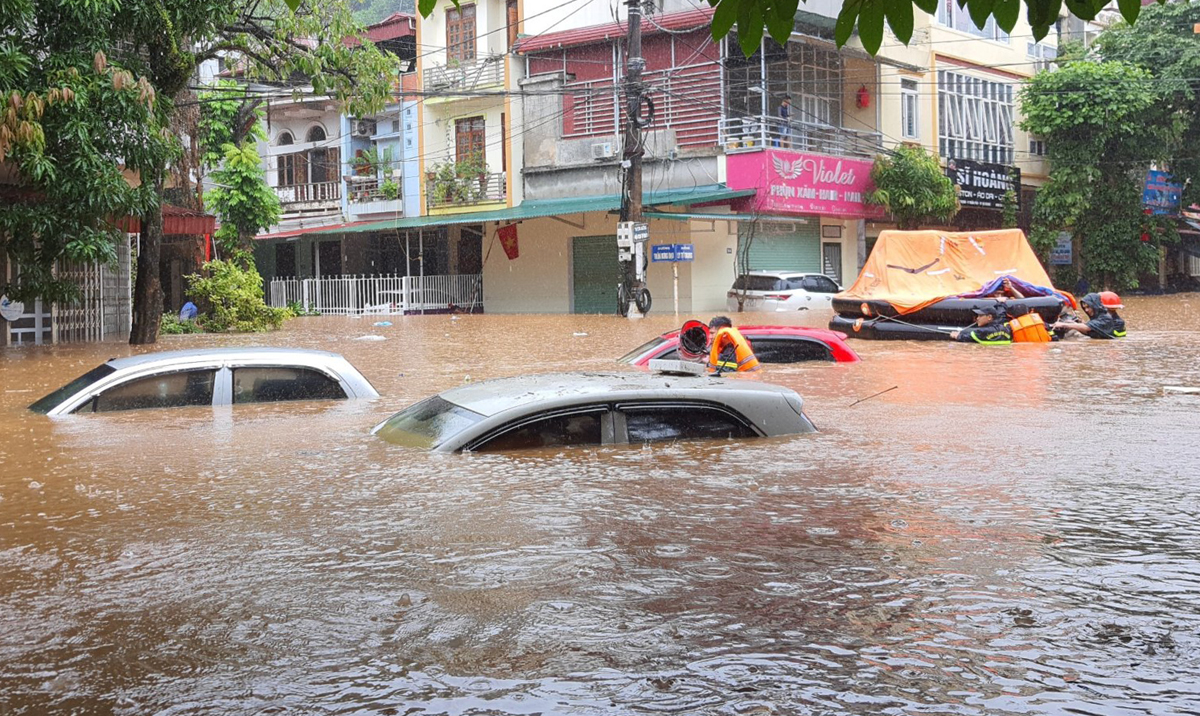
(362, 128)
(603, 150)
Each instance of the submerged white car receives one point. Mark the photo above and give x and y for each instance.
(218, 376)
(781, 291)
(563, 409)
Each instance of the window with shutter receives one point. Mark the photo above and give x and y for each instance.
(460, 33)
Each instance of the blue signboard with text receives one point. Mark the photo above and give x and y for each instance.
(672, 252)
(1161, 195)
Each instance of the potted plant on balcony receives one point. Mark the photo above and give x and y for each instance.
(390, 190)
(472, 171)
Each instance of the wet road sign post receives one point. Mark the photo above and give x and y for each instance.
(673, 253)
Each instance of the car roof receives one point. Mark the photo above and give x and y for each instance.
(782, 273)
(805, 331)
(495, 396)
(301, 355)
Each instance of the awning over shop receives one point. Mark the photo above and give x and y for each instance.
(327, 229)
(706, 194)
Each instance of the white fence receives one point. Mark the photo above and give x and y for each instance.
(353, 295)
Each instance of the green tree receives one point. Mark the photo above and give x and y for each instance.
(753, 18)
(1103, 124)
(1164, 43)
(242, 199)
(910, 184)
(70, 122)
(160, 43)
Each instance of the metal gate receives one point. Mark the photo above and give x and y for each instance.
(595, 272)
(780, 246)
(831, 255)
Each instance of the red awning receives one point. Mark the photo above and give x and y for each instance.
(689, 20)
(176, 221)
(297, 232)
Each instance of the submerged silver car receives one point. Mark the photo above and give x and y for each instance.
(561, 409)
(217, 376)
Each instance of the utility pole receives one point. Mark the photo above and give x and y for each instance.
(630, 241)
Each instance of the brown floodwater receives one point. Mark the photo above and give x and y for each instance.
(1010, 530)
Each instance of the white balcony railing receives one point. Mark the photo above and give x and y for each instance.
(380, 295)
(467, 191)
(329, 191)
(480, 73)
(749, 134)
(364, 191)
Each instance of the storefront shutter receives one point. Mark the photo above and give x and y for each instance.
(783, 246)
(594, 274)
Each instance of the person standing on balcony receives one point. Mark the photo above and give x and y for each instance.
(785, 122)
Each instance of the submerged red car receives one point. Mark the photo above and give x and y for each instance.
(772, 344)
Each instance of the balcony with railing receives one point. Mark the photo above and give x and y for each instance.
(372, 196)
(484, 72)
(319, 194)
(755, 133)
(465, 192)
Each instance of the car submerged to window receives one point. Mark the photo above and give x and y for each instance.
(218, 376)
(567, 409)
(771, 344)
(781, 291)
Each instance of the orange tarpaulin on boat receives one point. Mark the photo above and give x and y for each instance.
(912, 269)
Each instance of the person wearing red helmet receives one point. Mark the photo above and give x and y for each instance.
(1111, 302)
(1100, 323)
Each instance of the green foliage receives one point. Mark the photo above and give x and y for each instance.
(457, 181)
(172, 326)
(1103, 124)
(1008, 210)
(295, 308)
(231, 293)
(242, 199)
(229, 114)
(910, 184)
(374, 161)
(777, 17)
(389, 189)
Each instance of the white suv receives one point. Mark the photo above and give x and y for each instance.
(781, 291)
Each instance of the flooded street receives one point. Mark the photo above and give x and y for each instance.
(1010, 530)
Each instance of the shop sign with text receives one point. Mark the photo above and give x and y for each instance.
(797, 183)
(983, 186)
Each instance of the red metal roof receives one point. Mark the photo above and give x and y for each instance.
(689, 20)
(297, 232)
(176, 219)
(396, 25)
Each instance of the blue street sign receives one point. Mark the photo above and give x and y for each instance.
(672, 252)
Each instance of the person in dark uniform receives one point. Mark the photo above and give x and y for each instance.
(990, 328)
(1100, 322)
(1111, 303)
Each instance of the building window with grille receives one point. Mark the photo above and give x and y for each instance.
(909, 118)
(951, 15)
(469, 135)
(975, 118)
(1037, 147)
(460, 33)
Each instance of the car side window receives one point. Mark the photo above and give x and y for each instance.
(681, 422)
(270, 384)
(166, 390)
(790, 350)
(795, 283)
(824, 284)
(553, 431)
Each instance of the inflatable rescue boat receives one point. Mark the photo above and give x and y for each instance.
(923, 285)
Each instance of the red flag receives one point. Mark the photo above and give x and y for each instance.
(208, 247)
(508, 239)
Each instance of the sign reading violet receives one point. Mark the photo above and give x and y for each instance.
(796, 183)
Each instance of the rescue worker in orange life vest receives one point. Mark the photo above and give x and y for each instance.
(1100, 322)
(990, 328)
(729, 350)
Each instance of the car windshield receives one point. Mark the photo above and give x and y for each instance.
(50, 402)
(759, 283)
(634, 354)
(427, 424)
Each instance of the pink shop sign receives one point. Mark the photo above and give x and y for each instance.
(796, 183)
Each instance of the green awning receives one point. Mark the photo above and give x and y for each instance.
(551, 207)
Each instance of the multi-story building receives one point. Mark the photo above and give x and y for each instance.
(333, 172)
(954, 90)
